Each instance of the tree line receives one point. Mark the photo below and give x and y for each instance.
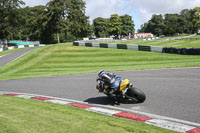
(187, 21)
(114, 26)
(57, 21)
(65, 20)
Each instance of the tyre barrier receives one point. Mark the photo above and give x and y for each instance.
(21, 46)
(170, 50)
(184, 51)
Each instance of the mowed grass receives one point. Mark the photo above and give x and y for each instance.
(19, 115)
(167, 43)
(64, 59)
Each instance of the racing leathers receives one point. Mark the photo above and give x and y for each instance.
(105, 83)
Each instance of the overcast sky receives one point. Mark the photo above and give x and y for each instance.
(140, 10)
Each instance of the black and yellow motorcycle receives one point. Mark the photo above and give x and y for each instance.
(122, 90)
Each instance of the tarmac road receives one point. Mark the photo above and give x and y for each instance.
(12, 56)
(170, 92)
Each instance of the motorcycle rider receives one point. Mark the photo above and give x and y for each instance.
(118, 88)
(105, 80)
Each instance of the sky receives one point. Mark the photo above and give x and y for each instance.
(140, 10)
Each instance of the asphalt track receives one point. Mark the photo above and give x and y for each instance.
(12, 56)
(170, 92)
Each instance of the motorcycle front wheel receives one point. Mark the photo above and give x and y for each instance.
(136, 95)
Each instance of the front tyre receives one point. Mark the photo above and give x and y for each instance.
(136, 94)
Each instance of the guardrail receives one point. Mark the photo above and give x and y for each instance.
(183, 51)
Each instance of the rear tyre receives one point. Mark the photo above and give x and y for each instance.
(136, 94)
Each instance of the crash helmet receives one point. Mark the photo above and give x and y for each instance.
(101, 73)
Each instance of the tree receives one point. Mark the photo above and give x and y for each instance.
(115, 25)
(171, 24)
(34, 19)
(196, 19)
(186, 22)
(127, 25)
(58, 21)
(79, 25)
(143, 28)
(156, 25)
(67, 17)
(10, 19)
(101, 27)
(58, 11)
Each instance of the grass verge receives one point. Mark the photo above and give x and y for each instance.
(64, 59)
(30, 116)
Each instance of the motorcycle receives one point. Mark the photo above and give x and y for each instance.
(123, 91)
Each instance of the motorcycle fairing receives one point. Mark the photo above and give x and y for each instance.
(120, 83)
(124, 83)
(116, 83)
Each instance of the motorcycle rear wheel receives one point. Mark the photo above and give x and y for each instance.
(136, 94)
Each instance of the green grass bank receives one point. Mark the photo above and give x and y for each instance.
(65, 59)
(19, 115)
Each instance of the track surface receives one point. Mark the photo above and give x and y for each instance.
(12, 56)
(170, 92)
